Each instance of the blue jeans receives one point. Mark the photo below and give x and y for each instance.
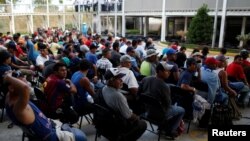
(79, 135)
(241, 88)
(175, 114)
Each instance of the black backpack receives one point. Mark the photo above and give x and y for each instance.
(221, 116)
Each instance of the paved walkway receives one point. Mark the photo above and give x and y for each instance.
(195, 133)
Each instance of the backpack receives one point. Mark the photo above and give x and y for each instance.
(221, 116)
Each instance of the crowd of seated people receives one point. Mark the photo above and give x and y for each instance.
(76, 68)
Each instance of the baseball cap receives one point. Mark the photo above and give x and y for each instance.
(166, 66)
(191, 61)
(197, 54)
(93, 45)
(125, 58)
(171, 51)
(221, 58)
(211, 61)
(113, 72)
(151, 52)
(66, 61)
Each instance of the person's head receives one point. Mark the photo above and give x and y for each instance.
(107, 44)
(211, 63)
(11, 47)
(205, 51)
(5, 57)
(43, 49)
(163, 70)
(171, 54)
(134, 43)
(106, 53)
(195, 50)
(60, 70)
(197, 56)
(244, 53)
(128, 43)
(116, 46)
(55, 39)
(223, 51)
(130, 51)
(113, 77)
(191, 64)
(85, 65)
(125, 61)
(183, 49)
(151, 55)
(238, 59)
(93, 47)
(222, 61)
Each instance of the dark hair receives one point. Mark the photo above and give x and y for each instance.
(159, 68)
(190, 61)
(85, 65)
(237, 57)
(4, 55)
(223, 51)
(105, 51)
(195, 50)
(41, 46)
(205, 51)
(115, 45)
(58, 66)
(134, 43)
(183, 48)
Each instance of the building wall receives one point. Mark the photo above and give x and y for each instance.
(154, 5)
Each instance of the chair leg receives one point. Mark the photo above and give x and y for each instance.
(1, 120)
(96, 135)
(189, 122)
(80, 125)
(159, 135)
(151, 126)
(88, 120)
(23, 136)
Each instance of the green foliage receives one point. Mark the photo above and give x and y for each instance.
(201, 27)
(41, 1)
(244, 38)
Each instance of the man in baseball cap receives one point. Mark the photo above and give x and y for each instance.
(116, 101)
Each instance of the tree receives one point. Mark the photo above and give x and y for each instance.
(244, 38)
(201, 27)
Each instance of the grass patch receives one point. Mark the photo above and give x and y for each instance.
(132, 31)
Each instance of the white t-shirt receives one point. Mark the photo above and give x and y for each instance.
(129, 78)
(123, 49)
(40, 60)
(103, 63)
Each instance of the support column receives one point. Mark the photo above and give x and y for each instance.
(119, 25)
(123, 19)
(30, 23)
(99, 20)
(115, 23)
(243, 29)
(223, 20)
(163, 21)
(215, 23)
(12, 19)
(185, 24)
(47, 13)
(141, 25)
(145, 26)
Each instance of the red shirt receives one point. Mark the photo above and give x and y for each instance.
(55, 90)
(19, 51)
(245, 63)
(236, 71)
